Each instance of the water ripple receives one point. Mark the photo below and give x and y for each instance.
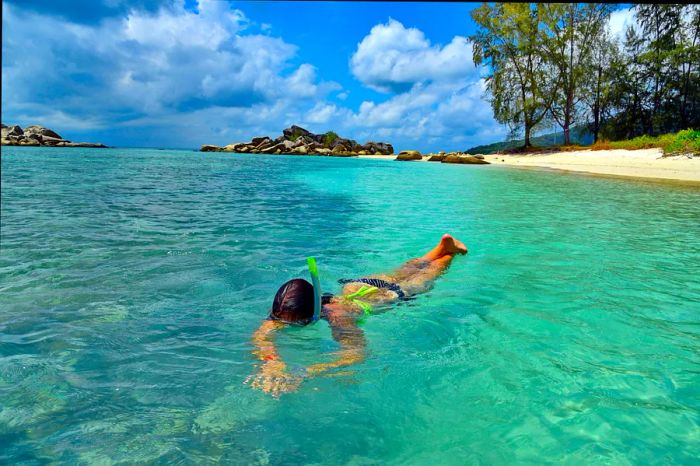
(128, 294)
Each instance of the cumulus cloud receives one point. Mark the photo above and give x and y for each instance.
(323, 113)
(148, 66)
(175, 77)
(438, 92)
(448, 116)
(392, 58)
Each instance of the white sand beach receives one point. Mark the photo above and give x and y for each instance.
(646, 163)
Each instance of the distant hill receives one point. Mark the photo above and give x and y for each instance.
(580, 135)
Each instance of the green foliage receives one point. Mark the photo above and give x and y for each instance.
(656, 85)
(329, 137)
(550, 63)
(572, 33)
(682, 142)
(296, 134)
(519, 82)
(640, 142)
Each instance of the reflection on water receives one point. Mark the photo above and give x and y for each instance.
(131, 280)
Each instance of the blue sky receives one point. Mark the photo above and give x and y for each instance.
(185, 72)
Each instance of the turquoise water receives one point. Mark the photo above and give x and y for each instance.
(131, 281)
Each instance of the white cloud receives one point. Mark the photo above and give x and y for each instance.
(171, 77)
(393, 58)
(438, 93)
(150, 67)
(323, 113)
(620, 20)
(437, 116)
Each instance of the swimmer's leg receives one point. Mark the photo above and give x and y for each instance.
(417, 275)
(422, 279)
(448, 246)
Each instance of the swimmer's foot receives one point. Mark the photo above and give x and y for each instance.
(452, 246)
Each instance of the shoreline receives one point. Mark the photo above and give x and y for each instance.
(631, 164)
(643, 164)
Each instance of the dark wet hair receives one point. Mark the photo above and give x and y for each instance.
(294, 302)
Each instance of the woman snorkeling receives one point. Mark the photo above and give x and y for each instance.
(294, 305)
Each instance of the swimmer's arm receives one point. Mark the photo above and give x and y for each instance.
(272, 376)
(263, 340)
(352, 345)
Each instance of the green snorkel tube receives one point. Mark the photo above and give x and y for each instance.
(316, 282)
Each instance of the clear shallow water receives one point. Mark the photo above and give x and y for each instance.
(131, 280)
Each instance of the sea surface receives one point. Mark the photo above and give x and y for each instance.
(131, 281)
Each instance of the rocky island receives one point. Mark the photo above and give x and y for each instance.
(296, 140)
(36, 135)
(299, 141)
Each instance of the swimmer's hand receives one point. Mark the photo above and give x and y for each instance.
(274, 379)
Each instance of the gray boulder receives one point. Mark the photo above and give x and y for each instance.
(36, 135)
(409, 155)
(339, 149)
(49, 141)
(33, 136)
(294, 132)
(464, 159)
(13, 130)
(40, 130)
(346, 143)
(233, 147)
(378, 148)
(283, 147)
(298, 140)
(29, 142)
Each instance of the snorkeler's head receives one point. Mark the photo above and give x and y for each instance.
(294, 302)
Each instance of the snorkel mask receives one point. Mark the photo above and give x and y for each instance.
(317, 298)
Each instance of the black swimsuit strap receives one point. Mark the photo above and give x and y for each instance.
(378, 282)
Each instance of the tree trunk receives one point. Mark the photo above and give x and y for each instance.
(527, 135)
(657, 72)
(570, 85)
(596, 107)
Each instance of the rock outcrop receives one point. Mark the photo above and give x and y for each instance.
(458, 157)
(450, 157)
(409, 155)
(299, 141)
(36, 135)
